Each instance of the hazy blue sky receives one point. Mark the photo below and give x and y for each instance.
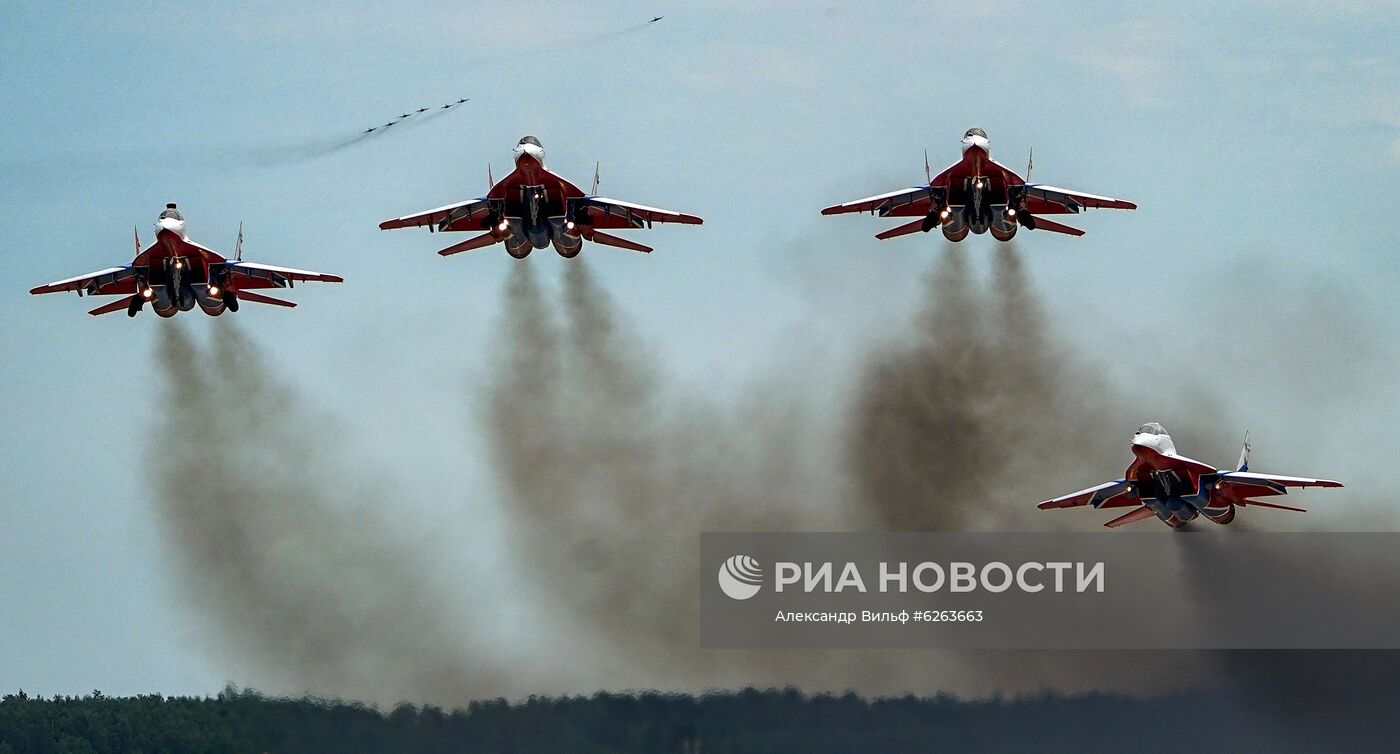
(1261, 142)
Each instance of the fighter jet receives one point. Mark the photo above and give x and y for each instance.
(175, 274)
(1177, 489)
(422, 110)
(532, 208)
(654, 20)
(977, 194)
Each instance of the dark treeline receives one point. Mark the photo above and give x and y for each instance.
(747, 721)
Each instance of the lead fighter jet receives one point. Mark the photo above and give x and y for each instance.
(978, 194)
(1176, 489)
(532, 208)
(175, 274)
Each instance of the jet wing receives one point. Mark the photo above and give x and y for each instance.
(1242, 484)
(1043, 199)
(910, 202)
(254, 275)
(1119, 494)
(613, 213)
(111, 281)
(460, 216)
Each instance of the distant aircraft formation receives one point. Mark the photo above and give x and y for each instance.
(977, 194)
(1176, 489)
(419, 111)
(175, 274)
(532, 208)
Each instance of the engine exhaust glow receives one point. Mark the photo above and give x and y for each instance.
(213, 290)
(147, 292)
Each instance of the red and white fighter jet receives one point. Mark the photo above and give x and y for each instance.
(532, 208)
(175, 274)
(977, 194)
(1177, 489)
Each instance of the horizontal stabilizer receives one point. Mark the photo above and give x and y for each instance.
(1244, 503)
(597, 236)
(114, 306)
(480, 242)
(1054, 227)
(915, 227)
(1136, 514)
(258, 298)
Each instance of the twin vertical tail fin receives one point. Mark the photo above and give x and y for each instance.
(1243, 464)
(596, 166)
(238, 245)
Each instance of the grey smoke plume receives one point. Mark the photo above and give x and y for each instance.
(610, 477)
(977, 413)
(285, 547)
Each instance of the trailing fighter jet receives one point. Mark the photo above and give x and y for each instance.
(977, 194)
(532, 208)
(1176, 489)
(175, 274)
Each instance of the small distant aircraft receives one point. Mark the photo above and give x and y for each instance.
(532, 208)
(1176, 489)
(368, 131)
(654, 20)
(977, 194)
(175, 274)
(422, 110)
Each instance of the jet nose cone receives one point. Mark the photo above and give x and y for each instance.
(1147, 444)
(975, 137)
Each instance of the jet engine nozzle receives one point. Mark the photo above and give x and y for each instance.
(1004, 225)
